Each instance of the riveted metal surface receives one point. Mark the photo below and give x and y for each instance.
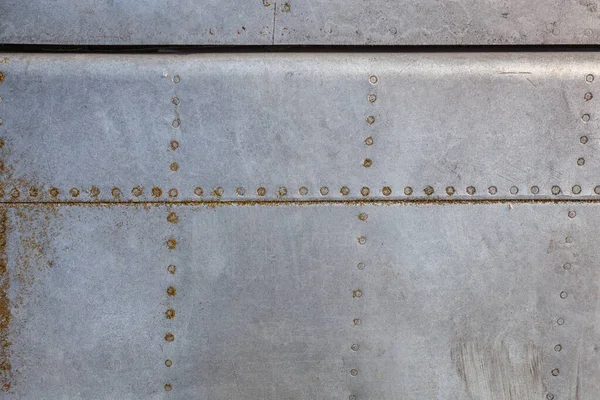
(299, 226)
(252, 22)
(298, 126)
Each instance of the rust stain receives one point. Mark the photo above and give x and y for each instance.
(5, 308)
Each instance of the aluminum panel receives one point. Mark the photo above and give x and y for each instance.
(283, 302)
(302, 126)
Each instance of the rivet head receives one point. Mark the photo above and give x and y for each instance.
(534, 190)
(471, 190)
(367, 163)
(555, 190)
(365, 191)
(514, 190)
(33, 192)
(569, 239)
(588, 96)
(303, 191)
(175, 100)
(171, 291)
(14, 193)
(428, 190)
(597, 190)
(555, 372)
(282, 191)
(585, 117)
(572, 214)
(324, 190)
(549, 396)
(372, 98)
(94, 191)
(345, 191)
(74, 192)
(408, 191)
(558, 347)
(156, 192)
(369, 141)
(285, 7)
(560, 321)
(583, 139)
(171, 268)
(576, 189)
(373, 79)
(174, 144)
(354, 372)
(176, 79)
(174, 167)
(169, 363)
(172, 218)
(176, 123)
(370, 120)
(450, 190)
(567, 266)
(356, 321)
(261, 191)
(54, 192)
(168, 387)
(170, 313)
(492, 190)
(386, 190)
(173, 192)
(580, 161)
(354, 347)
(363, 216)
(198, 191)
(352, 397)
(169, 337)
(357, 293)
(137, 191)
(563, 295)
(218, 192)
(361, 266)
(171, 243)
(362, 240)
(116, 192)
(240, 191)
(589, 78)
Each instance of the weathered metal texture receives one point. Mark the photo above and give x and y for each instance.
(299, 226)
(265, 22)
(440, 302)
(300, 126)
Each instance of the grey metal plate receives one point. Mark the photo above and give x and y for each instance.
(265, 126)
(356, 22)
(457, 302)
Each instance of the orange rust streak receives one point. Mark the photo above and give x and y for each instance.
(5, 310)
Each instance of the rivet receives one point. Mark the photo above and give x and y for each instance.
(372, 98)
(218, 192)
(169, 337)
(567, 266)
(576, 189)
(176, 123)
(369, 141)
(386, 190)
(556, 31)
(363, 216)
(303, 191)
(33, 192)
(345, 191)
(171, 291)
(471, 190)
(560, 321)
(174, 144)
(362, 240)
(428, 190)
(534, 190)
(549, 396)
(373, 79)
(357, 293)
(356, 321)
(408, 190)
(211, 31)
(266, 3)
(174, 166)
(581, 161)
(168, 387)
(116, 192)
(14, 193)
(514, 190)
(354, 372)
(261, 191)
(282, 191)
(240, 191)
(563, 295)
(1, 121)
(170, 313)
(74, 192)
(354, 347)
(156, 192)
(588, 96)
(198, 191)
(370, 120)
(492, 190)
(175, 100)
(176, 79)
(569, 239)
(137, 191)
(172, 218)
(171, 243)
(583, 139)
(585, 117)
(361, 266)
(572, 214)
(285, 7)
(54, 192)
(365, 191)
(555, 372)
(169, 363)
(324, 190)
(597, 190)
(450, 190)
(555, 190)
(173, 192)
(352, 397)
(558, 347)
(171, 268)
(367, 163)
